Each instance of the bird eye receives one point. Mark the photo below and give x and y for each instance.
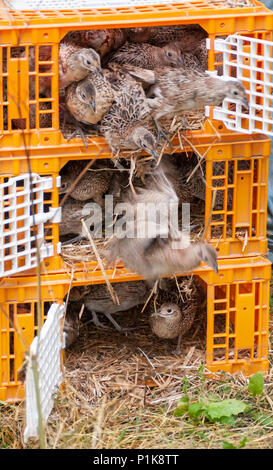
(169, 310)
(88, 62)
(235, 92)
(169, 54)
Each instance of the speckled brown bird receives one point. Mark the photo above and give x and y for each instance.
(147, 56)
(124, 125)
(88, 100)
(163, 250)
(174, 91)
(177, 169)
(71, 329)
(72, 213)
(101, 40)
(93, 184)
(75, 63)
(162, 35)
(172, 320)
(97, 299)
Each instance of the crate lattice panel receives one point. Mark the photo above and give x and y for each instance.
(249, 60)
(24, 212)
(47, 350)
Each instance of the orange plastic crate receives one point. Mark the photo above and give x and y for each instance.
(238, 228)
(238, 296)
(33, 30)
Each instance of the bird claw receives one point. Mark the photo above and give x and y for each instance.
(161, 133)
(78, 131)
(73, 240)
(121, 329)
(177, 351)
(97, 322)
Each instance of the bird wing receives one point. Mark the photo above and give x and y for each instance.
(129, 108)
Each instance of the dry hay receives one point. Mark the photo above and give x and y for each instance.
(193, 120)
(135, 360)
(82, 252)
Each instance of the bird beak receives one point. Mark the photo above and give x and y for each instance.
(215, 267)
(156, 314)
(245, 103)
(93, 105)
(180, 61)
(154, 154)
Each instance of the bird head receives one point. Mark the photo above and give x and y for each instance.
(172, 56)
(144, 140)
(90, 60)
(86, 93)
(64, 185)
(209, 255)
(236, 91)
(167, 310)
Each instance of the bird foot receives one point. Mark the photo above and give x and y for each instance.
(161, 133)
(73, 240)
(177, 351)
(116, 325)
(97, 322)
(78, 131)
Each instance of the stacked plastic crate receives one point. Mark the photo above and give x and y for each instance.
(31, 159)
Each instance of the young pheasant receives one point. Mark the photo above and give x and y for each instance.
(172, 320)
(93, 184)
(123, 125)
(164, 249)
(75, 63)
(97, 299)
(174, 91)
(147, 56)
(88, 101)
(101, 40)
(162, 35)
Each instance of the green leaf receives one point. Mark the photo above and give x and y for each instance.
(216, 410)
(179, 412)
(185, 384)
(182, 406)
(200, 371)
(121, 436)
(227, 420)
(256, 384)
(195, 410)
(229, 445)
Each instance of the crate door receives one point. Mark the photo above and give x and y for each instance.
(249, 60)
